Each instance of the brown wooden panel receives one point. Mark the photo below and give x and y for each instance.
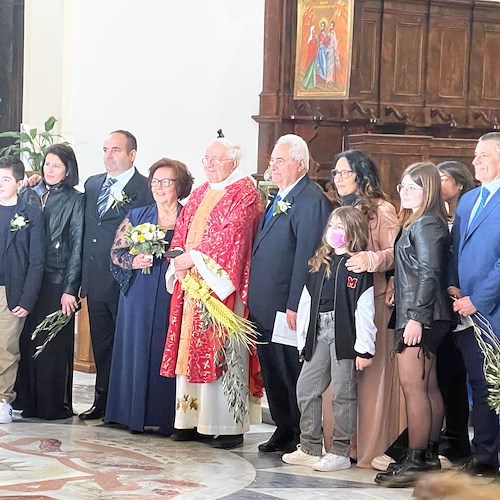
(408, 60)
(403, 55)
(491, 82)
(452, 64)
(368, 60)
(484, 85)
(366, 51)
(448, 62)
(393, 153)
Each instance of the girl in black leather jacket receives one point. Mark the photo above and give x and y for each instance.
(423, 316)
(44, 384)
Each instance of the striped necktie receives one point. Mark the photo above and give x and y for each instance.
(482, 202)
(269, 213)
(102, 200)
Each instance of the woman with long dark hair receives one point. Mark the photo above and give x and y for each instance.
(356, 182)
(44, 385)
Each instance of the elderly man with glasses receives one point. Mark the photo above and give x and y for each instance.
(214, 232)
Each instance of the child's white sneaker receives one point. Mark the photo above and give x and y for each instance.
(5, 412)
(299, 457)
(331, 462)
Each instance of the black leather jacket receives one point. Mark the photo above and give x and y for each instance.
(63, 210)
(421, 256)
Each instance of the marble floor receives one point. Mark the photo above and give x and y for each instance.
(72, 459)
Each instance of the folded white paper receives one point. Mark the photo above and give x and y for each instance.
(281, 333)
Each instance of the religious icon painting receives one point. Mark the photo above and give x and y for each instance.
(323, 49)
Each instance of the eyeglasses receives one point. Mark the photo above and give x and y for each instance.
(216, 160)
(408, 189)
(343, 173)
(164, 182)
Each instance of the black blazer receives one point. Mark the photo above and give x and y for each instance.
(282, 247)
(99, 233)
(25, 259)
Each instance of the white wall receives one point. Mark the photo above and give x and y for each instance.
(170, 72)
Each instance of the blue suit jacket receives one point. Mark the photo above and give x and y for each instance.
(282, 247)
(25, 258)
(477, 255)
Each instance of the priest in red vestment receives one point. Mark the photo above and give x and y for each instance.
(218, 387)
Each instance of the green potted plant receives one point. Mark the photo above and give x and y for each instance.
(31, 145)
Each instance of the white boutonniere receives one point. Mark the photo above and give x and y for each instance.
(281, 207)
(120, 199)
(18, 222)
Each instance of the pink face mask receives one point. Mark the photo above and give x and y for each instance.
(335, 238)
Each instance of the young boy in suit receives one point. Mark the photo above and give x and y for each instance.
(22, 258)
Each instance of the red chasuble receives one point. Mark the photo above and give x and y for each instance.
(227, 239)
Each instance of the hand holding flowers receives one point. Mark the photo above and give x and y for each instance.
(147, 239)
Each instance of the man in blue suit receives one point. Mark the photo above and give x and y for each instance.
(476, 248)
(288, 234)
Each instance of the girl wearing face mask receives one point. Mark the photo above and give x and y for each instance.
(336, 317)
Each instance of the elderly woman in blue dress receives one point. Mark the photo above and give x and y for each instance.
(138, 396)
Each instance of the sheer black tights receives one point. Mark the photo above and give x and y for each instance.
(424, 403)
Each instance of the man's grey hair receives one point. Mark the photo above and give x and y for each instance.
(298, 148)
(492, 136)
(233, 150)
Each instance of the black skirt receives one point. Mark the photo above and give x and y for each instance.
(431, 338)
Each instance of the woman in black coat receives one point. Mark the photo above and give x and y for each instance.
(44, 384)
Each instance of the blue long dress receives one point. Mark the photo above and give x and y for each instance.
(138, 396)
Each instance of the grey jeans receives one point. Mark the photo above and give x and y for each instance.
(314, 379)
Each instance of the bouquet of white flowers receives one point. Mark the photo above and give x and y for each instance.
(148, 239)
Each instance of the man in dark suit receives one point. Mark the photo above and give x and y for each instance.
(108, 198)
(22, 260)
(288, 234)
(476, 248)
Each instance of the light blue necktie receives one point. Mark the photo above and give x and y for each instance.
(102, 200)
(482, 202)
(269, 213)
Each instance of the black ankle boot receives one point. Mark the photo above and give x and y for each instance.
(406, 473)
(432, 456)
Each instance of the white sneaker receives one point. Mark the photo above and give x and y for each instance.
(331, 462)
(382, 462)
(299, 457)
(5, 412)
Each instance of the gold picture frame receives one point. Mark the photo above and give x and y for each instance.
(323, 49)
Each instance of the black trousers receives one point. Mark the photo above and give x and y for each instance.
(280, 370)
(102, 316)
(451, 374)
